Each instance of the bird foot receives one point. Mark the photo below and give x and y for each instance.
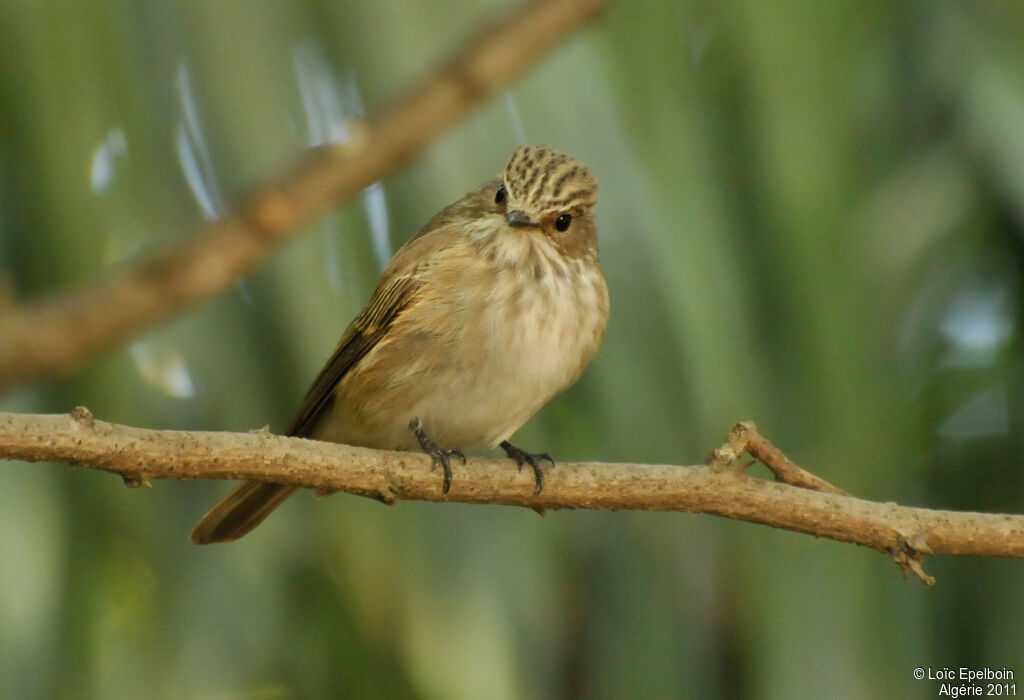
(439, 455)
(534, 460)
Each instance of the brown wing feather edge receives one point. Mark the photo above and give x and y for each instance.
(249, 504)
(365, 331)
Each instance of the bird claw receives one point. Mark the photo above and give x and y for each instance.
(438, 455)
(523, 457)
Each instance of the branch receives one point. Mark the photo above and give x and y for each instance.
(56, 334)
(718, 488)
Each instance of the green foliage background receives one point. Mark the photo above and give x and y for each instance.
(811, 216)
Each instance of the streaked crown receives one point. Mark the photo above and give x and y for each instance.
(541, 182)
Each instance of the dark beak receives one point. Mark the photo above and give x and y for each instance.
(518, 218)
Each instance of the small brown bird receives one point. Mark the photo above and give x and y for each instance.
(495, 306)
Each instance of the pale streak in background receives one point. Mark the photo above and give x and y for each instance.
(196, 162)
(101, 172)
(985, 414)
(329, 105)
(163, 367)
(193, 153)
(978, 325)
(120, 244)
(514, 118)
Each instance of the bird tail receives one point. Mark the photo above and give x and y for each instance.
(242, 510)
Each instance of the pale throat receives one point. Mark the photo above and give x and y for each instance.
(517, 248)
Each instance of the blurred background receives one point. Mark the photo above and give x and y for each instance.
(811, 217)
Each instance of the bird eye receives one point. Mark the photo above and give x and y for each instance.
(562, 222)
(499, 196)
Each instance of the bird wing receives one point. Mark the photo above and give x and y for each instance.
(405, 278)
(366, 330)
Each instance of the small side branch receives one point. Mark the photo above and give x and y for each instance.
(140, 455)
(56, 334)
(745, 439)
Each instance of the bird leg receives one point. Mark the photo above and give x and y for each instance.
(439, 455)
(534, 460)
